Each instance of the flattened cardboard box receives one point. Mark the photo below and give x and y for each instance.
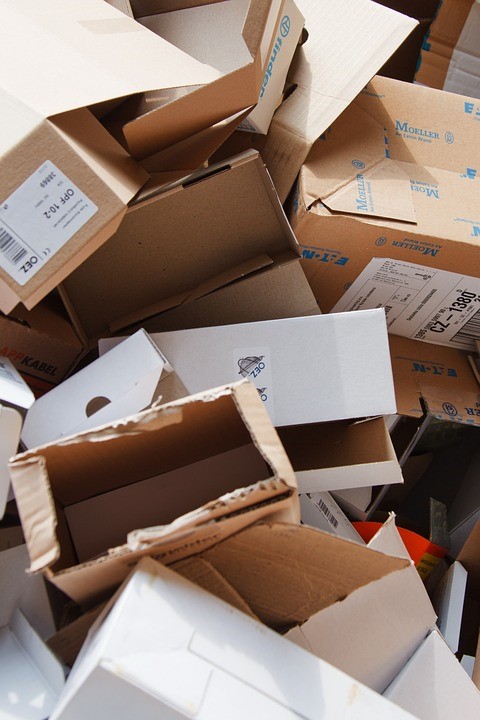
(327, 72)
(449, 59)
(184, 242)
(41, 343)
(213, 462)
(394, 177)
(207, 654)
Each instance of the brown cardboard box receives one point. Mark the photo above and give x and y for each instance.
(449, 58)
(213, 462)
(231, 43)
(394, 177)
(185, 241)
(41, 343)
(348, 42)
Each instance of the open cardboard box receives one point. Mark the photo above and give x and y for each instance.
(164, 646)
(185, 241)
(121, 383)
(326, 604)
(41, 343)
(213, 462)
(394, 177)
(339, 455)
(228, 45)
(277, 290)
(326, 74)
(306, 370)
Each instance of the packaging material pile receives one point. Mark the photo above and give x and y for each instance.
(239, 363)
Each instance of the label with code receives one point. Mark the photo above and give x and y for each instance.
(38, 219)
(421, 303)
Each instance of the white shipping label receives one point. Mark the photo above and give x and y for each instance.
(421, 303)
(38, 219)
(254, 364)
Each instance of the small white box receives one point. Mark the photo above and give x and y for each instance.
(168, 649)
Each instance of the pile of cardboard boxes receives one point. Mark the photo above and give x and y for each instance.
(239, 364)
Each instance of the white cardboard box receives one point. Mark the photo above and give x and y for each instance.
(31, 678)
(120, 383)
(306, 370)
(166, 648)
(434, 685)
(340, 455)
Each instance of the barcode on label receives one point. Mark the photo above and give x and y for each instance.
(327, 512)
(11, 249)
(469, 332)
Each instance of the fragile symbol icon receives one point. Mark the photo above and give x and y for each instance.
(247, 364)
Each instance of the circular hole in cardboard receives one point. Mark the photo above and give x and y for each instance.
(96, 404)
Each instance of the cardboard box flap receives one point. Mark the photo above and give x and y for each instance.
(451, 692)
(143, 449)
(31, 679)
(204, 288)
(92, 43)
(189, 154)
(328, 74)
(117, 384)
(379, 191)
(348, 169)
(434, 379)
(381, 623)
(422, 123)
(40, 529)
(310, 558)
(167, 239)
